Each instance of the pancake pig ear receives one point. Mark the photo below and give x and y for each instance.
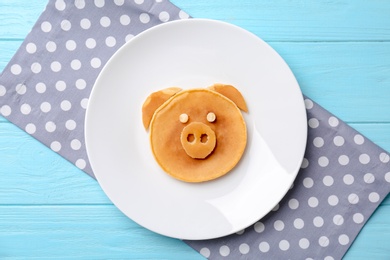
(154, 101)
(231, 93)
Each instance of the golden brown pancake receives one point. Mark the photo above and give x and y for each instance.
(179, 148)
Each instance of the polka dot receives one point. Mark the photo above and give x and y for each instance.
(384, 157)
(333, 121)
(51, 46)
(264, 247)
(40, 87)
(313, 202)
(99, 3)
(369, 178)
(308, 104)
(348, 179)
(81, 84)
(305, 163)
(3, 90)
(205, 252)
(183, 15)
(6, 110)
(318, 142)
(66, 105)
(259, 227)
(110, 41)
(119, 2)
(125, 19)
(299, 223)
(244, 248)
(358, 139)
(293, 203)
(333, 200)
(75, 144)
(343, 239)
(304, 243)
(338, 220)
(318, 221)
(21, 89)
(343, 160)
(276, 207)
(284, 245)
(25, 109)
(60, 85)
(70, 45)
(85, 23)
(328, 258)
(55, 146)
(46, 26)
(30, 128)
(240, 232)
(387, 177)
(144, 18)
(55, 66)
(314, 123)
(80, 4)
(96, 63)
(84, 103)
(364, 158)
(308, 182)
(75, 64)
(353, 198)
(139, 2)
(323, 161)
(81, 164)
(36, 67)
(164, 16)
(60, 5)
(70, 124)
(105, 21)
(373, 197)
(129, 37)
(66, 25)
(328, 180)
(278, 225)
(323, 241)
(16, 69)
(338, 140)
(90, 43)
(45, 107)
(50, 126)
(31, 48)
(358, 218)
(224, 250)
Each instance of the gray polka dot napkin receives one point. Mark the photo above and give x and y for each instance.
(45, 88)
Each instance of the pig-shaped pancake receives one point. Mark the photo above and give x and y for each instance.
(196, 135)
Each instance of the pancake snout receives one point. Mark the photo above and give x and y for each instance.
(198, 140)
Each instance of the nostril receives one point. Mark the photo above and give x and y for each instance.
(204, 138)
(190, 138)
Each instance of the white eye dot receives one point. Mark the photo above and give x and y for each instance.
(183, 118)
(211, 117)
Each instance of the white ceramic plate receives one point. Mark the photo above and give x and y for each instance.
(195, 53)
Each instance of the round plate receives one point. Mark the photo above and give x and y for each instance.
(188, 54)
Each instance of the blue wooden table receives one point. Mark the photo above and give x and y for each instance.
(340, 54)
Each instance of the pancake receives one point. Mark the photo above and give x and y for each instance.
(191, 120)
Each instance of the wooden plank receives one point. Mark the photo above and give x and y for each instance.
(358, 74)
(31, 173)
(103, 232)
(300, 20)
(73, 232)
(7, 50)
(17, 17)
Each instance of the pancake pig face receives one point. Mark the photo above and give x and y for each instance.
(196, 135)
